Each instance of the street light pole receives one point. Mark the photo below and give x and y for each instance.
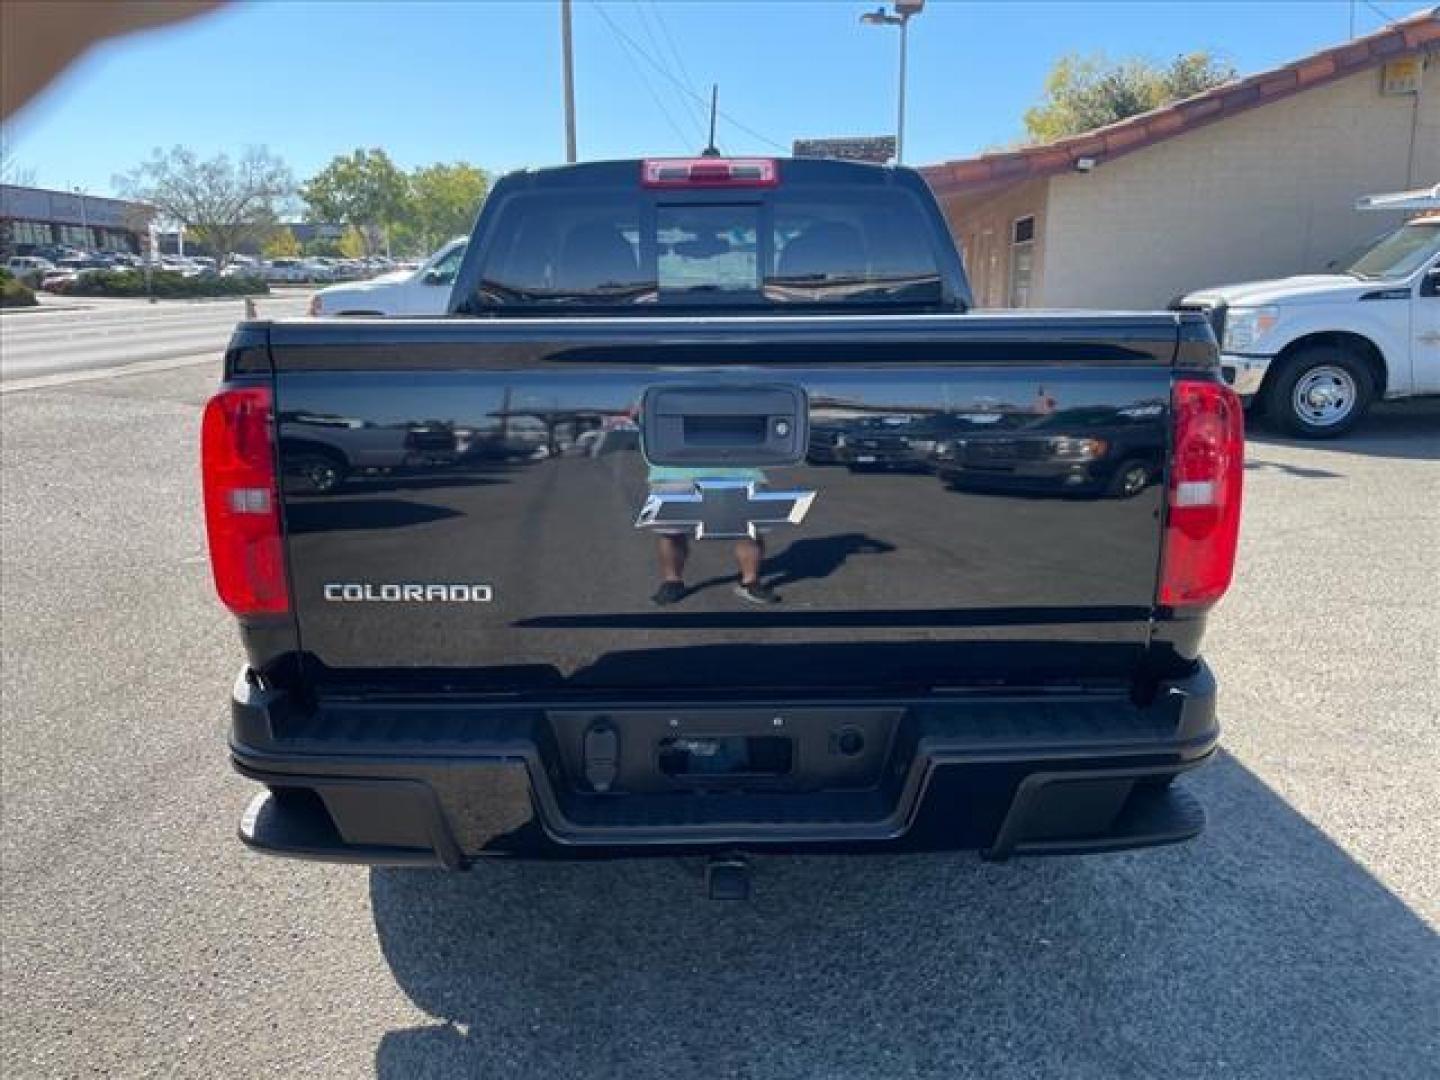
(905, 10)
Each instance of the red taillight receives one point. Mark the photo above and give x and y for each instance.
(709, 172)
(1202, 525)
(242, 513)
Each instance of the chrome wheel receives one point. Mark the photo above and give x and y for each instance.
(322, 476)
(1325, 395)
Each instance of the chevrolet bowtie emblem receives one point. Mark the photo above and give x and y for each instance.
(719, 509)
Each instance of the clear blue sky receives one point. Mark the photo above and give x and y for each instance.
(481, 81)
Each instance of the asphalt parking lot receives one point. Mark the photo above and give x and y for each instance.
(1296, 938)
(67, 335)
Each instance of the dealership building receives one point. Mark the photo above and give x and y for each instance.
(33, 218)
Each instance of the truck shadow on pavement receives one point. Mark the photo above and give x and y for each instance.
(1298, 471)
(1261, 949)
(1394, 429)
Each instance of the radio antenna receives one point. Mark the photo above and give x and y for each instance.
(710, 150)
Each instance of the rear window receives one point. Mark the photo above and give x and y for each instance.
(637, 250)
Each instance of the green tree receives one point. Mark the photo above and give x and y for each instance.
(281, 244)
(351, 245)
(443, 201)
(223, 204)
(321, 245)
(363, 189)
(1083, 93)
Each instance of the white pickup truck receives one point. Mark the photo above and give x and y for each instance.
(422, 292)
(1313, 352)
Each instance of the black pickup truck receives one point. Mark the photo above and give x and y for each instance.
(571, 584)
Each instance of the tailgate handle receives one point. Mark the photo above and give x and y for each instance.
(602, 756)
(743, 426)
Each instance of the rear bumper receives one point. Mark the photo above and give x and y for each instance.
(445, 783)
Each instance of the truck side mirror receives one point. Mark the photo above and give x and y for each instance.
(1430, 283)
(436, 277)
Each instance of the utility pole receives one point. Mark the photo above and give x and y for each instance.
(900, 119)
(569, 75)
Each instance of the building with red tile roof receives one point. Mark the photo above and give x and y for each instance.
(1256, 178)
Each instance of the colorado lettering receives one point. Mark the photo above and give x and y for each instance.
(361, 592)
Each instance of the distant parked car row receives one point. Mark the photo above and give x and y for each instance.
(52, 266)
(323, 269)
(36, 270)
(63, 265)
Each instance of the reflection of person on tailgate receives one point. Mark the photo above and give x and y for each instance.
(674, 545)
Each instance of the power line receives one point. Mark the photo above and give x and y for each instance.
(691, 112)
(627, 44)
(659, 15)
(1389, 20)
(682, 87)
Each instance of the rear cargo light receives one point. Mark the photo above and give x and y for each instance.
(242, 513)
(1203, 521)
(709, 172)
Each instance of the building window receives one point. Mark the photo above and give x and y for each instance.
(31, 233)
(1022, 260)
(117, 240)
(76, 236)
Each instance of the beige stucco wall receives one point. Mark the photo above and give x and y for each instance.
(981, 225)
(1262, 194)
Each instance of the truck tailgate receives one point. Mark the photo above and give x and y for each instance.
(462, 503)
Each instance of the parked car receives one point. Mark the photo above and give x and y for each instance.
(29, 269)
(287, 271)
(424, 291)
(890, 442)
(322, 452)
(1088, 452)
(59, 276)
(1314, 352)
(828, 439)
(180, 264)
(468, 666)
(55, 252)
(321, 268)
